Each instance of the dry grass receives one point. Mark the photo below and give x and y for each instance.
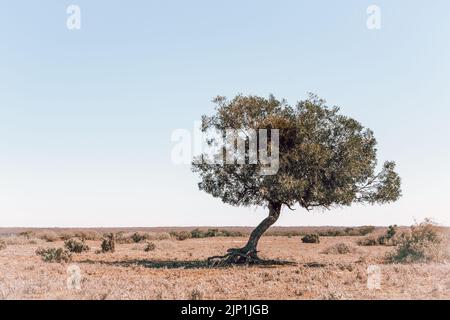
(176, 270)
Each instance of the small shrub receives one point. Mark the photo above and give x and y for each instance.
(388, 239)
(159, 236)
(311, 238)
(197, 234)
(18, 240)
(2, 244)
(88, 235)
(139, 237)
(122, 237)
(365, 230)
(54, 255)
(391, 232)
(351, 231)
(213, 233)
(332, 233)
(339, 248)
(227, 233)
(108, 243)
(49, 236)
(150, 246)
(27, 234)
(359, 231)
(183, 235)
(76, 245)
(422, 244)
(66, 235)
(368, 241)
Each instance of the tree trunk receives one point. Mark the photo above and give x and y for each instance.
(248, 254)
(252, 244)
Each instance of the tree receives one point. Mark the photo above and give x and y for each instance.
(326, 160)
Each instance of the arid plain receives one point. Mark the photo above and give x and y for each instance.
(176, 269)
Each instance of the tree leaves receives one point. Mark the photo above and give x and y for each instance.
(326, 159)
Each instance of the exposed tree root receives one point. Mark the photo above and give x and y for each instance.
(242, 256)
(234, 256)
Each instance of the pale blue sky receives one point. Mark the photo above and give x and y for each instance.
(86, 116)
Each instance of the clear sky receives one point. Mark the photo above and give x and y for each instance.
(86, 115)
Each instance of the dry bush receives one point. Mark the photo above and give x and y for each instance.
(359, 231)
(66, 235)
(182, 235)
(49, 236)
(27, 234)
(139, 237)
(108, 243)
(88, 235)
(54, 255)
(210, 233)
(136, 237)
(198, 234)
(158, 236)
(368, 241)
(390, 238)
(381, 240)
(311, 238)
(2, 244)
(423, 243)
(122, 237)
(339, 248)
(128, 237)
(391, 231)
(19, 240)
(76, 245)
(83, 235)
(150, 246)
